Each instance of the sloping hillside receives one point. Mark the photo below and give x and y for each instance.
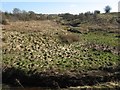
(48, 54)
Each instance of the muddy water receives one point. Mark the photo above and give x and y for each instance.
(34, 88)
(28, 88)
(7, 87)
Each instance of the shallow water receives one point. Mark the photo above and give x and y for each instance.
(33, 88)
(7, 87)
(19, 88)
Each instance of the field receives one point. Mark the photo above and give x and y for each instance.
(46, 54)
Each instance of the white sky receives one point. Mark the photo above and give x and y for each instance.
(62, 6)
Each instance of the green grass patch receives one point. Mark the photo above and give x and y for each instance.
(101, 38)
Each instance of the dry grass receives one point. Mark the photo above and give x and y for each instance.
(42, 26)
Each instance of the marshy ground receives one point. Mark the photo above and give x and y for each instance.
(45, 54)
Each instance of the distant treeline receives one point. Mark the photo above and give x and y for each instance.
(65, 19)
(18, 14)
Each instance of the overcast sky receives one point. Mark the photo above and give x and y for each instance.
(59, 6)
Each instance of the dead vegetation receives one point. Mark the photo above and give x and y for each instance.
(41, 26)
(69, 38)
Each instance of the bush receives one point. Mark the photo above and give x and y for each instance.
(4, 22)
(107, 9)
(96, 12)
(69, 38)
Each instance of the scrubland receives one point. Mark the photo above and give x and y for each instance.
(55, 54)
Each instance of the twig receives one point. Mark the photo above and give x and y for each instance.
(19, 83)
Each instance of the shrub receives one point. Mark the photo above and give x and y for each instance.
(107, 9)
(4, 22)
(96, 12)
(69, 38)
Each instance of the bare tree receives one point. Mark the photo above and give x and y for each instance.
(16, 11)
